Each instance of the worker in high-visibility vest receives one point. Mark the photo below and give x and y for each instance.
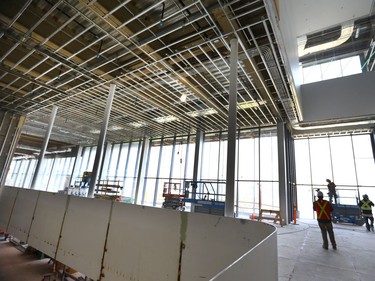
(324, 210)
(366, 208)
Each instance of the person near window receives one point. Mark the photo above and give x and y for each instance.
(324, 210)
(366, 208)
(331, 190)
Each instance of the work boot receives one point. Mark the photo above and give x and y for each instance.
(372, 228)
(334, 247)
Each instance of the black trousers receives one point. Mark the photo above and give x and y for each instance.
(369, 222)
(326, 227)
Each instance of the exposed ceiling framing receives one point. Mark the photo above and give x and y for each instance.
(67, 53)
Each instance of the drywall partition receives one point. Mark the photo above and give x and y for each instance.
(350, 96)
(22, 214)
(218, 242)
(143, 244)
(150, 244)
(8, 197)
(50, 212)
(115, 241)
(257, 258)
(83, 235)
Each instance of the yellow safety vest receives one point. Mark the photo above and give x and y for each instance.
(365, 205)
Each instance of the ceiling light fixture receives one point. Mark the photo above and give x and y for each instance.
(165, 119)
(250, 104)
(183, 98)
(202, 112)
(114, 128)
(137, 124)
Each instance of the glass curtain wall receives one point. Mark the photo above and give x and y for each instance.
(213, 168)
(21, 172)
(257, 171)
(120, 165)
(54, 174)
(346, 160)
(171, 160)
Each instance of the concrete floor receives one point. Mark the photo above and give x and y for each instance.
(301, 256)
(18, 266)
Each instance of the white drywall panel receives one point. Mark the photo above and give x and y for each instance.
(83, 235)
(7, 198)
(22, 214)
(261, 263)
(350, 96)
(143, 244)
(48, 219)
(303, 13)
(212, 243)
(299, 17)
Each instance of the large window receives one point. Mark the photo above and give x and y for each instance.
(171, 160)
(331, 69)
(347, 160)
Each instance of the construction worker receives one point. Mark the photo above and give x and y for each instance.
(331, 190)
(324, 210)
(366, 208)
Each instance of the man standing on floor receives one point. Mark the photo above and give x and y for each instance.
(366, 208)
(324, 210)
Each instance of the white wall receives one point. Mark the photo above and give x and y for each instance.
(115, 241)
(300, 17)
(350, 96)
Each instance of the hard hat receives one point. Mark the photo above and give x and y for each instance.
(365, 196)
(320, 194)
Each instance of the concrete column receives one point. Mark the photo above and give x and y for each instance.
(283, 193)
(44, 147)
(99, 149)
(232, 123)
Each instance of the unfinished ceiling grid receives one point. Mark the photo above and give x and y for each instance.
(67, 53)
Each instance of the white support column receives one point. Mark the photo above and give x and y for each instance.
(44, 146)
(142, 167)
(99, 149)
(77, 162)
(232, 124)
(197, 167)
(283, 194)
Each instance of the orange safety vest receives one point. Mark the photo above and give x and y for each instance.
(323, 210)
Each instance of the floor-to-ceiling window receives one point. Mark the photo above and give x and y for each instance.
(171, 160)
(257, 176)
(21, 172)
(347, 160)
